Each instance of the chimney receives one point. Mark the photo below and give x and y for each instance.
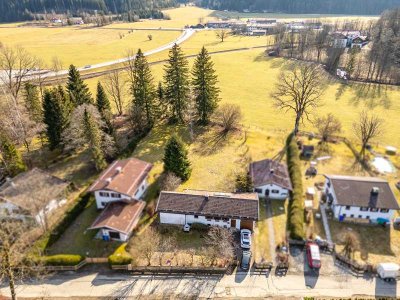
(119, 169)
(374, 197)
(375, 190)
(271, 171)
(108, 180)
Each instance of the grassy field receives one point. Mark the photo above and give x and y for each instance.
(82, 45)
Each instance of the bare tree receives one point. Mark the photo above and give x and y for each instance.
(220, 240)
(170, 182)
(222, 34)
(366, 129)
(115, 87)
(146, 245)
(228, 116)
(300, 91)
(167, 245)
(351, 244)
(328, 126)
(56, 65)
(129, 66)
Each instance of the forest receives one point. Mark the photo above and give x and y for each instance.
(349, 7)
(22, 10)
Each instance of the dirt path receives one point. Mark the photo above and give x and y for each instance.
(271, 231)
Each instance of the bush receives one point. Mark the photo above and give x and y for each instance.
(119, 259)
(62, 260)
(296, 204)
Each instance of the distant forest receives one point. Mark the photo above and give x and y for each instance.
(21, 10)
(352, 7)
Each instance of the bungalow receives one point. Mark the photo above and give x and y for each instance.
(270, 179)
(118, 191)
(359, 42)
(227, 210)
(32, 196)
(360, 198)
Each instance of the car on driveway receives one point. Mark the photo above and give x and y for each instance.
(313, 255)
(186, 228)
(246, 260)
(245, 238)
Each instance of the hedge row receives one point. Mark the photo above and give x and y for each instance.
(62, 260)
(296, 203)
(119, 259)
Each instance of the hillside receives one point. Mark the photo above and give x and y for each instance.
(20, 10)
(352, 7)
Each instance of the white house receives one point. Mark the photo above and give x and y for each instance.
(118, 191)
(227, 210)
(356, 198)
(32, 196)
(339, 40)
(270, 179)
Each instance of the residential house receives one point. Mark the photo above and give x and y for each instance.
(227, 210)
(359, 42)
(339, 40)
(261, 21)
(270, 179)
(360, 198)
(32, 196)
(118, 191)
(218, 24)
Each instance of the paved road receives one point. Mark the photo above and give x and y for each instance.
(239, 285)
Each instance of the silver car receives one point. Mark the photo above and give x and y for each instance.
(245, 238)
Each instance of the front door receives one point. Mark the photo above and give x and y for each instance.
(233, 223)
(267, 193)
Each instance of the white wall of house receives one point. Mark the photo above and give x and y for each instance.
(275, 192)
(106, 232)
(141, 190)
(340, 43)
(182, 219)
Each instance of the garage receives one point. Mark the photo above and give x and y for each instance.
(247, 224)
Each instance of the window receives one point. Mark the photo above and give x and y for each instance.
(115, 195)
(329, 184)
(384, 210)
(196, 216)
(360, 216)
(374, 209)
(275, 191)
(104, 194)
(344, 215)
(363, 208)
(259, 191)
(142, 187)
(347, 207)
(367, 217)
(114, 235)
(103, 203)
(217, 219)
(351, 216)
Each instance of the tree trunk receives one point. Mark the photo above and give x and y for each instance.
(297, 124)
(9, 274)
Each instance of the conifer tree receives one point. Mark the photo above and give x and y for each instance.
(56, 110)
(33, 103)
(175, 158)
(176, 87)
(143, 89)
(204, 82)
(93, 136)
(11, 157)
(244, 183)
(104, 107)
(77, 89)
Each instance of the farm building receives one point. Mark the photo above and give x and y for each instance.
(227, 210)
(270, 179)
(363, 199)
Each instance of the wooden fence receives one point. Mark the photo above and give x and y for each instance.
(86, 261)
(171, 270)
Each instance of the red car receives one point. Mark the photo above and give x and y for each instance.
(313, 255)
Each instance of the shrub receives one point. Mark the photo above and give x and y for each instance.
(119, 259)
(296, 204)
(200, 227)
(62, 260)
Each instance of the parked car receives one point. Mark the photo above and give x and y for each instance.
(186, 228)
(388, 271)
(313, 255)
(245, 238)
(246, 260)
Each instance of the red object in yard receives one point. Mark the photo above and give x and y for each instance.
(313, 255)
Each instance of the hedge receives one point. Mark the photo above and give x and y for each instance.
(62, 260)
(296, 203)
(119, 259)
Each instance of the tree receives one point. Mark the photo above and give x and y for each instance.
(206, 93)
(175, 158)
(328, 126)
(244, 183)
(104, 107)
(33, 103)
(176, 85)
(170, 182)
(228, 116)
(143, 89)
(56, 110)
(146, 245)
(300, 91)
(11, 157)
(222, 34)
(87, 131)
(366, 129)
(220, 240)
(78, 91)
(350, 66)
(115, 87)
(351, 244)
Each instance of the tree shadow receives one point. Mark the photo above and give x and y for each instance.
(385, 289)
(340, 91)
(211, 141)
(371, 95)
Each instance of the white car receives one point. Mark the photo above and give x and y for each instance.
(245, 238)
(186, 228)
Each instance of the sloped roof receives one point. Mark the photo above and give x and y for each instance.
(123, 176)
(213, 204)
(357, 191)
(270, 171)
(33, 190)
(119, 216)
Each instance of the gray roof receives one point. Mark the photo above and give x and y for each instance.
(357, 191)
(229, 205)
(270, 171)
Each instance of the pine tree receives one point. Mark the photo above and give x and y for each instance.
(176, 85)
(33, 103)
(175, 158)
(204, 82)
(56, 110)
(104, 107)
(11, 157)
(143, 89)
(244, 183)
(93, 136)
(77, 89)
